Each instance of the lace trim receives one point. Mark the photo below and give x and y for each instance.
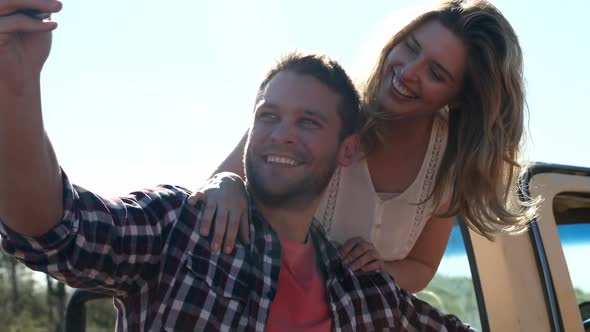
(334, 186)
(328, 216)
(428, 180)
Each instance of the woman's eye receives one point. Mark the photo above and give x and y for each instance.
(437, 76)
(410, 47)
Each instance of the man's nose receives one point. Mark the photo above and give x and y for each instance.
(284, 132)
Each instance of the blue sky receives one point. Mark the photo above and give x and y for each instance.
(138, 93)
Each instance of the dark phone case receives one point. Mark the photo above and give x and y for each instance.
(34, 13)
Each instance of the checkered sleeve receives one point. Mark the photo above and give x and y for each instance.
(110, 245)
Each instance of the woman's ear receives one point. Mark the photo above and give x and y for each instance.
(349, 149)
(454, 105)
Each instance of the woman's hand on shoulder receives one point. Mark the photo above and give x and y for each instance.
(359, 254)
(223, 206)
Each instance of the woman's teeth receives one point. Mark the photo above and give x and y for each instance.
(401, 89)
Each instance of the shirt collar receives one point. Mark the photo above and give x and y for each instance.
(328, 255)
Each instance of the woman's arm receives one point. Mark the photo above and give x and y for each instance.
(235, 161)
(224, 205)
(414, 272)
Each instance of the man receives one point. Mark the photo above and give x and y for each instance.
(144, 248)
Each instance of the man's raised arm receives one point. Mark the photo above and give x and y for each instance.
(30, 179)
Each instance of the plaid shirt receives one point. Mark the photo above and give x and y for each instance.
(144, 250)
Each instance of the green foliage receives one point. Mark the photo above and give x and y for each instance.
(100, 316)
(581, 296)
(27, 312)
(453, 295)
(30, 312)
(25, 322)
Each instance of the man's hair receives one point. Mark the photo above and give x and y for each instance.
(330, 73)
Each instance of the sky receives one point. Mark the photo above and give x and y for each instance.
(138, 93)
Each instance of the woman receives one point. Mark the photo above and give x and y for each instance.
(441, 128)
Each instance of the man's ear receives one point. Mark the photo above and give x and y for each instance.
(349, 149)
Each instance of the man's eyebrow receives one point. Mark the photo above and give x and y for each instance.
(306, 111)
(438, 65)
(267, 104)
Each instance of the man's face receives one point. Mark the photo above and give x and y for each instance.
(293, 146)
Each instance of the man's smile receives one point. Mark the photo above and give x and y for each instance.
(282, 160)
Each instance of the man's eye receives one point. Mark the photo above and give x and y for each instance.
(267, 116)
(310, 123)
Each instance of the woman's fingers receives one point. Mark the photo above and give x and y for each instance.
(205, 217)
(195, 198)
(231, 232)
(359, 249)
(365, 260)
(349, 245)
(360, 254)
(220, 227)
(245, 227)
(376, 265)
(359, 262)
(224, 205)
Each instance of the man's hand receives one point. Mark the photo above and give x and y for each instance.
(30, 178)
(24, 42)
(359, 254)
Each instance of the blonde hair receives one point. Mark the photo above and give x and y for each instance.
(480, 163)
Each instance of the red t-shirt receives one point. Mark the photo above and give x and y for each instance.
(300, 303)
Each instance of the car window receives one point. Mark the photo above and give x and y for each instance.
(572, 214)
(452, 288)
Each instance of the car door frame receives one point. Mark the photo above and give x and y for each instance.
(524, 279)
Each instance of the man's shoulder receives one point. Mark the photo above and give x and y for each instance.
(163, 190)
(146, 196)
(161, 203)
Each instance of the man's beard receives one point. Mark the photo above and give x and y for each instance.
(293, 195)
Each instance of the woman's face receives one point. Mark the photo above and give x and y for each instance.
(423, 72)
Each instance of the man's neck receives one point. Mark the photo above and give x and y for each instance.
(290, 223)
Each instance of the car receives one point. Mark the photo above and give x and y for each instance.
(535, 281)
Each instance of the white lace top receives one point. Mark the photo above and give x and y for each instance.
(391, 221)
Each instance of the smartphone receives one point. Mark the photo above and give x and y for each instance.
(34, 13)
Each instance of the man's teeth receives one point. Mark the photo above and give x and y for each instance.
(281, 160)
(405, 92)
